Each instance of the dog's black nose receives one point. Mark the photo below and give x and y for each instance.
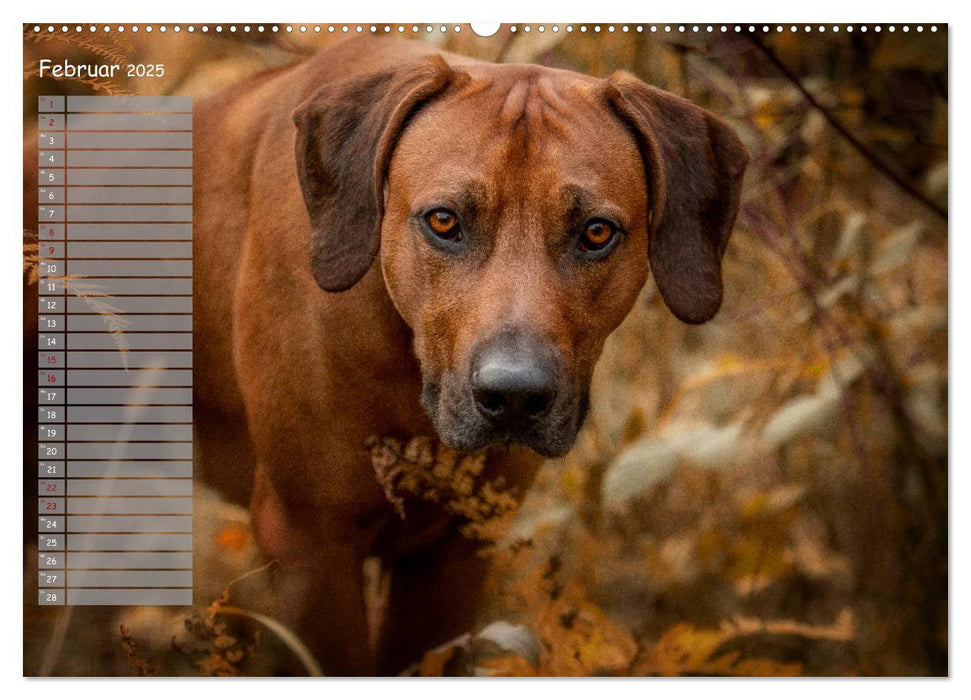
(512, 388)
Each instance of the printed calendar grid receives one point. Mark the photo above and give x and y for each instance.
(115, 350)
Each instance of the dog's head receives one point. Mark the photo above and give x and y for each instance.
(515, 210)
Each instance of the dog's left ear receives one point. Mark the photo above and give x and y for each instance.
(694, 165)
(346, 132)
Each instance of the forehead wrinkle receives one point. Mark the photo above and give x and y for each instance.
(533, 95)
(514, 106)
(473, 88)
(551, 96)
(547, 109)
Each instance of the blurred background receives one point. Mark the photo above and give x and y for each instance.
(766, 494)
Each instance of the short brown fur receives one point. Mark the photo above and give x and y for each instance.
(307, 182)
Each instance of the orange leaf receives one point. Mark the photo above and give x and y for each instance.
(233, 537)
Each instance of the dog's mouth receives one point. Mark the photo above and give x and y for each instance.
(467, 424)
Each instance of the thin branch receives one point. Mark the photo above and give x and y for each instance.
(283, 633)
(831, 119)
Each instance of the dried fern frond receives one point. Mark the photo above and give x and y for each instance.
(109, 87)
(433, 472)
(31, 263)
(143, 665)
(109, 49)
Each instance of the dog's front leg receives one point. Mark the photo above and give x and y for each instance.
(319, 581)
(435, 595)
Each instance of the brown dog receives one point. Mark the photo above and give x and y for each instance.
(391, 241)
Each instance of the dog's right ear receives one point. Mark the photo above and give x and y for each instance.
(346, 132)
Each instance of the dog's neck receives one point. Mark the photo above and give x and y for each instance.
(375, 351)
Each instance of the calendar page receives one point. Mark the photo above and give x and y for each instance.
(425, 349)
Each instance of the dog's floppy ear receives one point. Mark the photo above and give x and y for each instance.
(694, 164)
(346, 132)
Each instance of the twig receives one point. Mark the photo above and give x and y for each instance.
(266, 567)
(831, 119)
(285, 635)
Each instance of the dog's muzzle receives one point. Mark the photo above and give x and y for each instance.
(514, 392)
(513, 386)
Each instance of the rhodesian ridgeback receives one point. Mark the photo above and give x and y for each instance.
(390, 240)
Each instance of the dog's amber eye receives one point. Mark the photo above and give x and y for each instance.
(597, 235)
(443, 223)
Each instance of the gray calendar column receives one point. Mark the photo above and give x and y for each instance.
(51, 262)
(126, 351)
